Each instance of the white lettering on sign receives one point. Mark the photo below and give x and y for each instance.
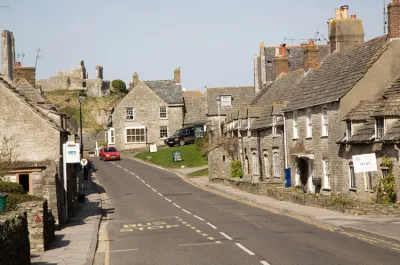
(364, 163)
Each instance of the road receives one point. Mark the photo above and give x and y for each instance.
(154, 217)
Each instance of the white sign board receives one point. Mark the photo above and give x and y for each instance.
(226, 101)
(84, 162)
(73, 153)
(153, 148)
(364, 163)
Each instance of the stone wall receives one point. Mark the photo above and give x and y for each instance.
(59, 83)
(41, 224)
(14, 243)
(28, 73)
(97, 87)
(219, 163)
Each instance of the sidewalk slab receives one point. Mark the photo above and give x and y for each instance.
(386, 227)
(76, 243)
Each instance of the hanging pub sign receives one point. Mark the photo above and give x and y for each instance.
(177, 156)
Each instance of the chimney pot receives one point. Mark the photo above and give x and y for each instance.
(277, 53)
(353, 15)
(283, 48)
(337, 13)
(395, 1)
(311, 43)
(262, 45)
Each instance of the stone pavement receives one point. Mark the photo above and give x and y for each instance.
(384, 227)
(76, 243)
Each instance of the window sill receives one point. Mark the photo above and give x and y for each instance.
(276, 177)
(353, 189)
(163, 118)
(324, 136)
(295, 139)
(130, 120)
(370, 191)
(326, 188)
(309, 138)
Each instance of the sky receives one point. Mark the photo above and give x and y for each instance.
(212, 41)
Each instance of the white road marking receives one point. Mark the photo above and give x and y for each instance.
(204, 234)
(168, 199)
(198, 217)
(126, 169)
(264, 262)
(194, 228)
(160, 194)
(198, 231)
(138, 177)
(213, 226)
(176, 205)
(143, 181)
(186, 211)
(211, 238)
(122, 250)
(153, 189)
(218, 242)
(199, 244)
(245, 249)
(226, 236)
(148, 185)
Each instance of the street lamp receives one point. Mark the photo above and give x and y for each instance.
(81, 99)
(219, 118)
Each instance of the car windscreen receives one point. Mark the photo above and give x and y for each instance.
(110, 149)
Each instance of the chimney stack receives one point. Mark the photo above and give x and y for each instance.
(394, 19)
(177, 76)
(8, 54)
(24, 72)
(281, 61)
(311, 55)
(135, 79)
(345, 32)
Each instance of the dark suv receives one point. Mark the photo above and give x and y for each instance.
(181, 137)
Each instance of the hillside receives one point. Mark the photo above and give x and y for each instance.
(94, 110)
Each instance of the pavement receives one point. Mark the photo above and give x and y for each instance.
(383, 227)
(75, 243)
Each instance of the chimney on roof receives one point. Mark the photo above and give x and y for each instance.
(257, 76)
(394, 19)
(177, 75)
(25, 72)
(281, 61)
(311, 55)
(263, 65)
(344, 32)
(135, 79)
(8, 54)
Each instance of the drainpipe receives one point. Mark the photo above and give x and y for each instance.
(285, 141)
(259, 156)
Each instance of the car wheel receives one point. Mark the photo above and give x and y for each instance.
(182, 143)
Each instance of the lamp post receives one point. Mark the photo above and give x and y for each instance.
(219, 118)
(81, 99)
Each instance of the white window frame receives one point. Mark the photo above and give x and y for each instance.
(274, 121)
(166, 127)
(111, 136)
(351, 169)
(368, 181)
(166, 113)
(324, 121)
(309, 122)
(325, 166)
(135, 127)
(275, 164)
(248, 127)
(377, 137)
(349, 129)
(126, 114)
(267, 167)
(255, 164)
(295, 125)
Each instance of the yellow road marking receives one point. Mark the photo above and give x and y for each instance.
(123, 250)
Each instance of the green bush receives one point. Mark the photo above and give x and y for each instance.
(236, 169)
(11, 187)
(386, 190)
(119, 85)
(14, 199)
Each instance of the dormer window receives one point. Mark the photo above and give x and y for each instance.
(379, 128)
(349, 131)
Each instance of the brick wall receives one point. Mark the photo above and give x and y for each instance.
(28, 73)
(394, 20)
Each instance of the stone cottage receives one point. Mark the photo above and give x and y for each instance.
(354, 70)
(149, 113)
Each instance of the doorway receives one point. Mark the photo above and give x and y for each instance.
(24, 180)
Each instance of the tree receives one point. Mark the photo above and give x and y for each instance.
(119, 85)
(8, 156)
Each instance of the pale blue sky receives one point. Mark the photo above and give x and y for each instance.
(213, 41)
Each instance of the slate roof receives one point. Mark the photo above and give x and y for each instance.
(194, 111)
(365, 133)
(190, 94)
(362, 111)
(338, 73)
(275, 92)
(167, 90)
(29, 92)
(241, 96)
(388, 107)
(295, 55)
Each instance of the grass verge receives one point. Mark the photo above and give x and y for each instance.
(200, 173)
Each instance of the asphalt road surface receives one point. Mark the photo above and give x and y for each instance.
(154, 217)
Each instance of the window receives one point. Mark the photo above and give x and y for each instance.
(226, 101)
(247, 165)
(248, 127)
(349, 131)
(223, 158)
(240, 123)
(327, 183)
(385, 171)
(109, 149)
(111, 136)
(352, 176)
(135, 135)
(379, 128)
(255, 164)
(163, 113)
(368, 181)
(266, 165)
(324, 121)
(275, 162)
(295, 126)
(163, 132)
(274, 120)
(309, 123)
(129, 114)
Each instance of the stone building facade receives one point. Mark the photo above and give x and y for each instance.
(149, 113)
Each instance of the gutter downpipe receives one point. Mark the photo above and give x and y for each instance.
(259, 156)
(284, 140)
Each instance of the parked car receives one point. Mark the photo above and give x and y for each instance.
(181, 137)
(109, 153)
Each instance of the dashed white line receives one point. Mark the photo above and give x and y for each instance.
(218, 242)
(126, 169)
(245, 249)
(160, 194)
(153, 189)
(198, 231)
(168, 199)
(198, 217)
(176, 205)
(148, 185)
(138, 177)
(194, 228)
(211, 238)
(143, 181)
(186, 211)
(213, 226)
(204, 234)
(226, 236)
(264, 262)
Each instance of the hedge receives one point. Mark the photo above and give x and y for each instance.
(11, 187)
(14, 199)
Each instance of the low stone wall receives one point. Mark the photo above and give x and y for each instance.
(41, 224)
(331, 202)
(14, 239)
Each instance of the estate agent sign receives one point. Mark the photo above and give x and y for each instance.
(364, 163)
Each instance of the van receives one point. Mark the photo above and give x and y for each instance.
(181, 137)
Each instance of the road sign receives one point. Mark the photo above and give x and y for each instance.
(365, 163)
(84, 162)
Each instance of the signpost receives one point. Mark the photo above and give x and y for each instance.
(365, 164)
(177, 156)
(72, 153)
(84, 162)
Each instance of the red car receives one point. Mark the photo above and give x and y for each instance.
(109, 153)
